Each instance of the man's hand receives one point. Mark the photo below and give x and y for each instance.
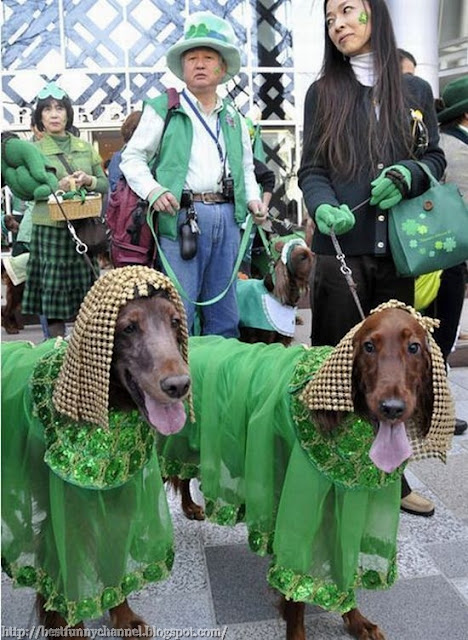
(166, 202)
(259, 211)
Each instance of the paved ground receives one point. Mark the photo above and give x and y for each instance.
(217, 583)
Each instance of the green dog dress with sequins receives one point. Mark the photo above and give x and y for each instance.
(68, 489)
(316, 503)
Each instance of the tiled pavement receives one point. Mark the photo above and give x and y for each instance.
(217, 582)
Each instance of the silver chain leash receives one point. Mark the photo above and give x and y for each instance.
(345, 270)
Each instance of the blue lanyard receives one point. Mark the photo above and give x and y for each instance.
(204, 123)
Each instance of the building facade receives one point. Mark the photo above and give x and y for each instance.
(109, 55)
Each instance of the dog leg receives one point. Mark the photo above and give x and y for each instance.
(53, 620)
(9, 322)
(122, 617)
(360, 627)
(191, 510)
(293, 614)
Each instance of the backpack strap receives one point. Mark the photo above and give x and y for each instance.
(173, 101)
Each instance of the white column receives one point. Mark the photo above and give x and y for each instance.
(415, 24)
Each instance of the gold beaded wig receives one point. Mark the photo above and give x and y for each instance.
(82, 389)
(331, 389)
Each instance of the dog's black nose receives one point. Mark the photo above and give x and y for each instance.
(392, 408)
(176, 386)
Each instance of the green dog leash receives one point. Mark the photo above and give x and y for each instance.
(173, 277)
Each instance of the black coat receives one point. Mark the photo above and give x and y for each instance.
(370, 233)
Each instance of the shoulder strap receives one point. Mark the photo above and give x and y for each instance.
(173, 101)
(66, 164)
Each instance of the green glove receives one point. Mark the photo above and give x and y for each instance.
(24, 170)
(339, 219)
(392, 185)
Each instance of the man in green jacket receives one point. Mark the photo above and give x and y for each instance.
(205, 173)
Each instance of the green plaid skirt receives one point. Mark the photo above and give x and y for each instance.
(58, 278)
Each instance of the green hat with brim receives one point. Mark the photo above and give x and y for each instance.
(455, 99)
(204, 29)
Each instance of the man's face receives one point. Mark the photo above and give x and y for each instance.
(203, 68)
(407, 66)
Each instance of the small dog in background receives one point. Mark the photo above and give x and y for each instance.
(268, 307)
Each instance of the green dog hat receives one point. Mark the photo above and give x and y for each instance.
(455, 98)
(204, 29)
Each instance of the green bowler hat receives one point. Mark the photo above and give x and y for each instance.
(204, 29)
(455, 97)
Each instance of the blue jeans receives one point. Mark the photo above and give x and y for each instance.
(208, 273)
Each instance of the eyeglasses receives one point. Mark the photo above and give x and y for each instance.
(51, 90)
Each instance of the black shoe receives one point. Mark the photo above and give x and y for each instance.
(460, 426)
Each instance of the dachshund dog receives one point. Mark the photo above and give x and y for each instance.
(143, 342)
(383, 372)
(268, 308)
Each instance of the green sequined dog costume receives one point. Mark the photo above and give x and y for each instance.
(85, 520)
(315, 503)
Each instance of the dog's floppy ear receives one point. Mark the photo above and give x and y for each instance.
(281, 288)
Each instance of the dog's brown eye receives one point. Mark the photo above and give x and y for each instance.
(368, 347)
(414, 347)
(130, 328)
(175, 323)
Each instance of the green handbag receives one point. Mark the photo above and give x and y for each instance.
(429, 232)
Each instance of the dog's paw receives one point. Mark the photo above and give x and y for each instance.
(360, 627)
(122, 617)
(193, 512)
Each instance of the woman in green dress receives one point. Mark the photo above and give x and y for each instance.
(58, 278)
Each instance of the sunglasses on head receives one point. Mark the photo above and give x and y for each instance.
(51, 91)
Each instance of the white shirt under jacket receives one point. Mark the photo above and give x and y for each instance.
(205, 167)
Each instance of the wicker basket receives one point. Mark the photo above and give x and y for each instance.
(76, 208)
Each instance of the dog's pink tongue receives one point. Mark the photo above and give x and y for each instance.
(391, 446)
(166, 418)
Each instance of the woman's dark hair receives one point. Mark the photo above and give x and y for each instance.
(129, 125)
(345, 134)
(46, 102)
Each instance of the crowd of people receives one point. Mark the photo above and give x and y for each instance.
(360, 157)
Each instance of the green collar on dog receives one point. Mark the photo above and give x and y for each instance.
(342, 456)
(86, 454)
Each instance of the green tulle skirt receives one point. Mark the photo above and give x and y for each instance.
(84, 549)
(316, 504)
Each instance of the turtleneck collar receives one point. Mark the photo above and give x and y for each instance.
(363, 67)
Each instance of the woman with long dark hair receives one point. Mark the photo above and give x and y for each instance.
(365, 126)
(358, 124)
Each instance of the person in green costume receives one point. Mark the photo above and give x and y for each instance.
(58, 278)
(205, 172)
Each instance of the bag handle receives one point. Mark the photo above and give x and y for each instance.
(434, 182)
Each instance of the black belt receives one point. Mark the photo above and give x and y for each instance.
(210, 198)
